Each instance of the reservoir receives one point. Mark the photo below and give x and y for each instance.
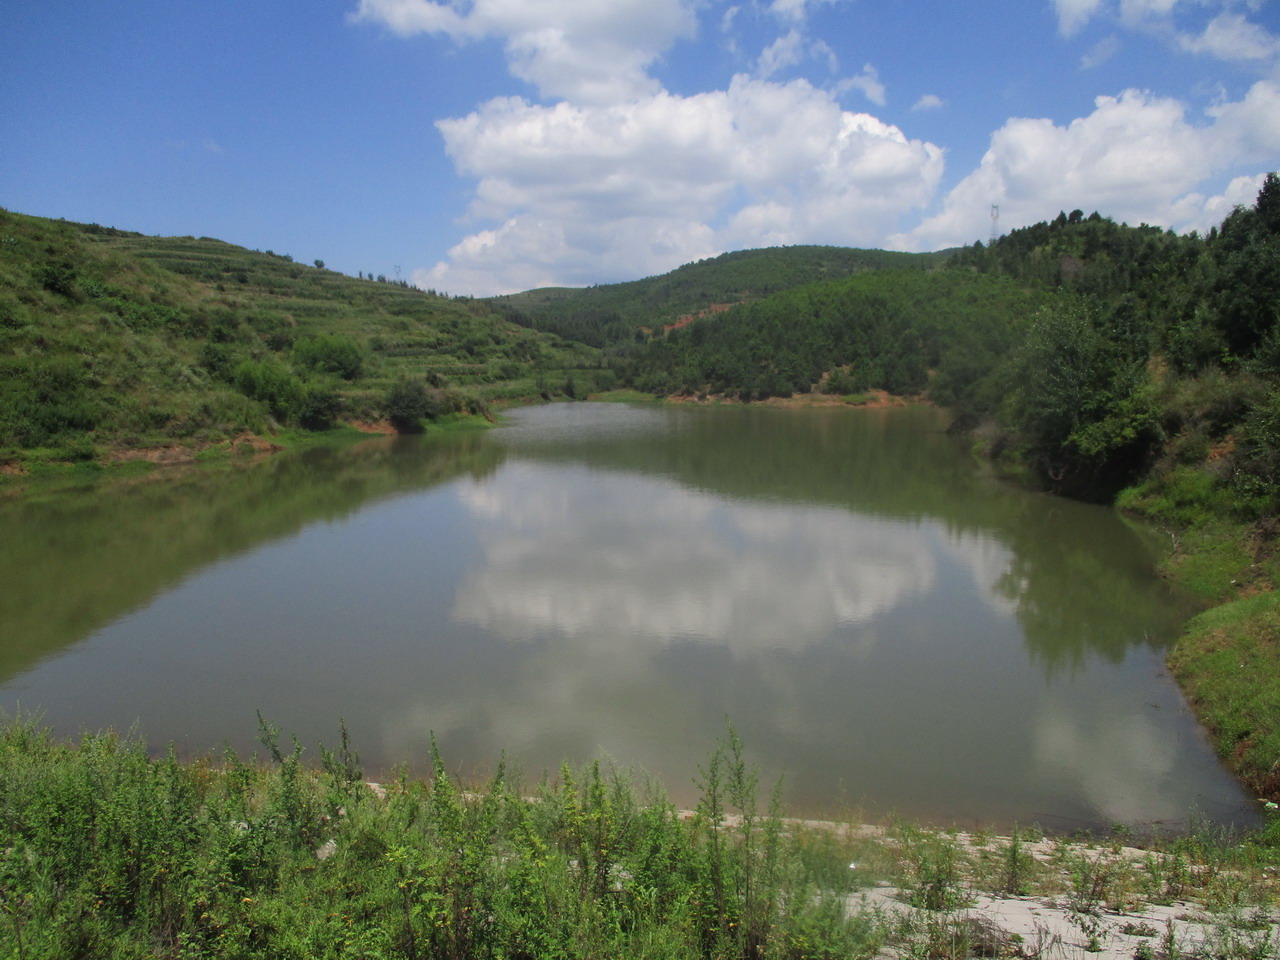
(889, 628)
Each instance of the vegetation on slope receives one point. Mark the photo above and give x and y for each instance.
(883, 330)
(115, 339)
(617, 316)
(1103, 350)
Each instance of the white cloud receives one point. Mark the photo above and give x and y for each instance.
(1100, 52)
(1248, 131)
(792, 49)
(1135, 158)
(1203, 213)
(795, 11)
(868, 82)
(1229, 36)
(786, 51)
(1074, 14)
(589, 51)
(586, 194)
(1136, 10)
(622, 178)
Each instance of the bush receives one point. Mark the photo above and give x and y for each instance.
(329, 353)
(272, 383)
(407, 404)
(56, 277)
(320, 406)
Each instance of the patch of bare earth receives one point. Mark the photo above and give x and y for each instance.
(688, 318)
(156, 455)
(380, 427)
(875, 400)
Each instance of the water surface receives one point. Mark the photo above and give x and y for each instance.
(887, 626)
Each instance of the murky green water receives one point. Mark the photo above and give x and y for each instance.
(888, 627)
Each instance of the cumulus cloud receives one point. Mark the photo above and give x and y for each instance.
(1248, 131)
(1205, 213)
(614, 177)
(1230, 36)
(591, 51)
(587, 193)
(1134, 158)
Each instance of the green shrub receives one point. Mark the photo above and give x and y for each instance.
(1183, 497)
(56, 276)
(408, 402)
(274, 384)
(319, 407)
(329, 353)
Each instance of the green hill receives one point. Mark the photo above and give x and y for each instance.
(115, 339)
(618, 315)
(1106, 354)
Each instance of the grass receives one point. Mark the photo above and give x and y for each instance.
(1227, 659)
(1228, 662)
(108, 850)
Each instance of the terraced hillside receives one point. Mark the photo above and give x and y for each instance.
(114, 339)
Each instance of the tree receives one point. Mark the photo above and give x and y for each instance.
(407, 404)
(1083, 404)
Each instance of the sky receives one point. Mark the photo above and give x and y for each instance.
(488, 146)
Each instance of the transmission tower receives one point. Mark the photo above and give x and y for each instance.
(995, 222)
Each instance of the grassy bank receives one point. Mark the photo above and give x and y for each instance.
(107, 851)
(1228, 657)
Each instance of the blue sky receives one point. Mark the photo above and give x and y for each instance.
(485, 146)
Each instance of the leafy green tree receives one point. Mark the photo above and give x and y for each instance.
(1083, 406)
(319, 407)
(408, 402)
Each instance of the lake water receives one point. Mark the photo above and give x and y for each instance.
(888, 627)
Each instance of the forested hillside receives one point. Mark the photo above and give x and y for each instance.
(1108, 354)
(616, 316)
(884, 330)
(114, 339)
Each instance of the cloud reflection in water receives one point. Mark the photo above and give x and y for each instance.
(646, 560)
